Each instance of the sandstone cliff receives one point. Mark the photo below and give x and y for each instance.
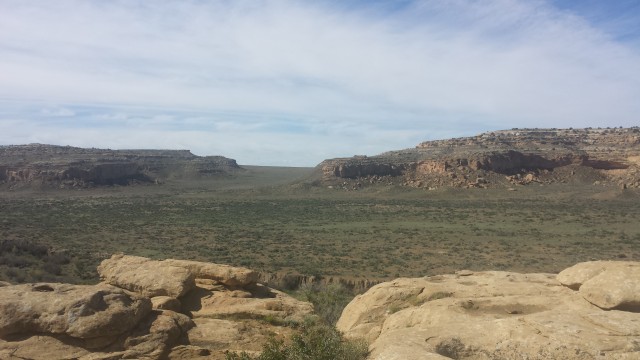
(500, 159)
(65, 166)
(589, 311)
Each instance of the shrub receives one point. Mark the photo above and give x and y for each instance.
(313, 342)
(452, 348)
(328, 300)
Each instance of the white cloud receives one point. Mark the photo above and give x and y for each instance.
(374, 79)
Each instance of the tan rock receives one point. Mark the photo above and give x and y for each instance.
(578, 274)
(57, 321)
(225, 274)
(80, 311)
(42, 347)
(262, 302)
(155, 336)
(4, 283)
(188, 352)
(488, 315)
(152, 338)
(617, 287)
(147, 277)
(166, 303)
(220, 335)
(606, 284)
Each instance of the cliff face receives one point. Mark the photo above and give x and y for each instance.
(65, 166)
(501, 158)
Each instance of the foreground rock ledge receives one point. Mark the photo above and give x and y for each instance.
(502, 315)
(199, 310)
(146, 309)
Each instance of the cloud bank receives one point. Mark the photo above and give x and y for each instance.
(294, 82)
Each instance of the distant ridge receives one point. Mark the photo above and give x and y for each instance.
(504, 158)
(73, 167)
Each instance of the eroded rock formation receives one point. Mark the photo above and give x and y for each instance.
(145, 309)
(66, 166)
(500, 159)
(589, 311)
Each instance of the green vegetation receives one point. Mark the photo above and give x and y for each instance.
(26, 261)
(314, 342)
(376, 233)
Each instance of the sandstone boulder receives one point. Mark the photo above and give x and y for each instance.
(147, 277)
(488, 315)
(615, 288)
(80, 311)
(155, 336)
(225, 274)
(58, 321)
(152, 338)
(43, 347)
(578, 274)
(606, 284)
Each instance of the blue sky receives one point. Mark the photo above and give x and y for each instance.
(294, 82)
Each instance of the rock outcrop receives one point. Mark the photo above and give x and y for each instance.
(606, 284)
(145, 276)
(500, 159)
(502, 315)
(225, 274)
(146, 309)
(80, 311)
(71, 167)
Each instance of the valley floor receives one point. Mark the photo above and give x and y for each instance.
(260, 221)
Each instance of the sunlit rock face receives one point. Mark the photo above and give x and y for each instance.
(588, 311)
(501, 159)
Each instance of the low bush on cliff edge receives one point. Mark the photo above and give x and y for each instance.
(313, 342)
(328, 300)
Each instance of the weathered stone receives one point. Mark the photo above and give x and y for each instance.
(488, 315)
(166, 303)
(225, 274)
(188, 352)
(152, 338)
(578, 274)
(156, 335)
(147, 277)
(42, 347)
(617, 287)
(80, 311)
(262, 301)
(102, 322)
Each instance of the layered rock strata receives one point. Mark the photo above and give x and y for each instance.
(66, 166)
(500, 159)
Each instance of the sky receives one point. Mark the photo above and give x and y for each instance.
(292, 83)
